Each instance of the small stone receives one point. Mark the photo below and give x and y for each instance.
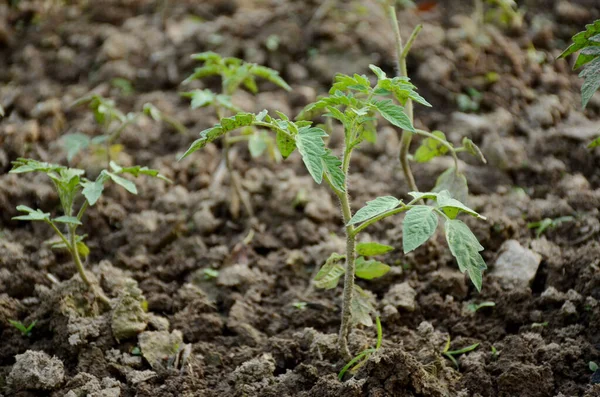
(35, 370)
(159, 347)
(552, 295)
(205, 221)
(128, 317)
(574, 296)
(568, 309)
(134, 377)
(516, 265)
(255, 374)
(158, 323)
(401, 296)
(236, 275)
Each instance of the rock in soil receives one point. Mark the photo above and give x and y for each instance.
(516, 266)
(35, 370)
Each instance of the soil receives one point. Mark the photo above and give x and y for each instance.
(242, 333)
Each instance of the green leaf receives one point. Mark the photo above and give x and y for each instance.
(372, 249)
(270, 75)
(394, 114)
(207, 56)
(203, 71)
(226, 125)
(32, 215)
(591, 83)
(465, 248)
(361, 307)
(312, 148)
(370, 269)
(419, 225)
(22, 165)
(378, 72)
(423, 196)
(285, 143)
(75, 143)
(374, 208)
(344, 82)
(454, 182)
(330, 273)
(473, 149)
(431, 148)
(594, 143)
(125, 183)
(137, 170)
(587, 38)
(258, 143)
(93, 190)
(332, 166)
(200, 98)
(453, 207)
(71, 220)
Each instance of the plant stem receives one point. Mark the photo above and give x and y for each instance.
(401, 54)
(350, 261)
(72, 246)
(236, 184)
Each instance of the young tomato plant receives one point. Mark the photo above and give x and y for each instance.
(588, 42)
(112, 122)
(354, 102)
(234, 74)
(70, 184)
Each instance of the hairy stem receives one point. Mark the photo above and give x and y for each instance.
(401, 54)
(81, 270)
(350, 262)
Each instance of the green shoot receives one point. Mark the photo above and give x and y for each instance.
(593, 366)
(355, 102)
(473, 307)
(25, 330)
(362, 357)
(300, 305)
(210, 274)
(112, 122)
(124, 85)
(547, 223)
(495, 353)
(70, 184)
(453, 354)
(234, 74)
(540, 325)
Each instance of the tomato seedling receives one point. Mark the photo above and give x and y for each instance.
(234, 74)
(355, 103)
(70, 184)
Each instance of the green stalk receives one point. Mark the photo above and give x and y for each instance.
(346, 320)
(401, 54)
(72, 247)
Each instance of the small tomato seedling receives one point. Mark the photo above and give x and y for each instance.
(70, 184)
(355, 103)
(234, 74)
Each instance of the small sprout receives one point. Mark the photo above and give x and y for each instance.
(157, 115)
(25, 330)
(495, 353)
(210, 274)
(593, 366)
(300, 305)
(473, 307)
(453, 354)
(136, 351)
(547, 223)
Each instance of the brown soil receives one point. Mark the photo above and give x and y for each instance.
(247, 338)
